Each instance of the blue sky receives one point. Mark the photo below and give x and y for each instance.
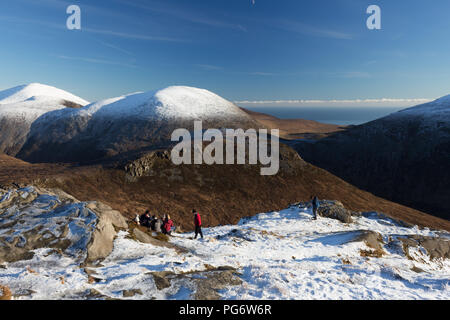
(270, 50)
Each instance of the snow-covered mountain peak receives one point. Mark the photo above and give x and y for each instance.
(444, 100)
(37, 92)
(438, 109)
(192, 102)
(175, 102)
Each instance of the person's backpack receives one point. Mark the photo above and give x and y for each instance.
(315, 202)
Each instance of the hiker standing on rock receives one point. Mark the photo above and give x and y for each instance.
(198, 224)
(315, 206)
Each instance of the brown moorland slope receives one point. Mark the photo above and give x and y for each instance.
(295, 128)
(223, 194)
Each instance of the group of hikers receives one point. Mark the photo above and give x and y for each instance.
(166, 225)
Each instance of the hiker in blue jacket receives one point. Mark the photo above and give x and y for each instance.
(315, 206)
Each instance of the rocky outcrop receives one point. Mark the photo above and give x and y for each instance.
(372, 239)
(103, 236)
(33, 218)
(436, 248)
(146, 165)
(206, 284)
(335, 210)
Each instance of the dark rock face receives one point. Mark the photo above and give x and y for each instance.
(13, 134)
(77, 139)
(404, 158)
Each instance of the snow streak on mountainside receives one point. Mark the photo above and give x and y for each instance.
(437, 110)
(275, 255)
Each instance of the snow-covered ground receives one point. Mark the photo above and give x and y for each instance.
(278, 255)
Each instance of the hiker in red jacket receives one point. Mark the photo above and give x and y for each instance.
(198, 224)
(167, 226)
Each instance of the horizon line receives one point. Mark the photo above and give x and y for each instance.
(382, 102)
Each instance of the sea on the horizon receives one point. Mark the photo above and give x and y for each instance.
(331, 115)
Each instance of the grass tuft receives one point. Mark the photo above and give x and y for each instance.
(375, 253)
(5, 293)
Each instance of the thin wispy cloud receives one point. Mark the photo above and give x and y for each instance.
(353, 75)
(135, 36)
(185, 14)
(62, 27)
(209, 67)
(20, 20)
(304, 29)
(96, 61)
(263, 74)
(117, 48)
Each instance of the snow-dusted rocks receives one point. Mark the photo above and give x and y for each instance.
(35, 220)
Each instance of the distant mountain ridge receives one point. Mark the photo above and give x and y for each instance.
(108, 127)
(21, 106)
(403, 157)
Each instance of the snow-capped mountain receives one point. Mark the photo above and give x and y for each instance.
(37, 91)
(106, 128)
(21, 106)
(274, 255)
(176, 102)
(403, 157)
(437, 110)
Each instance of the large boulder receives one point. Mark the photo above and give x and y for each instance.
(101, 244)
(335, 210)
(32, 218)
